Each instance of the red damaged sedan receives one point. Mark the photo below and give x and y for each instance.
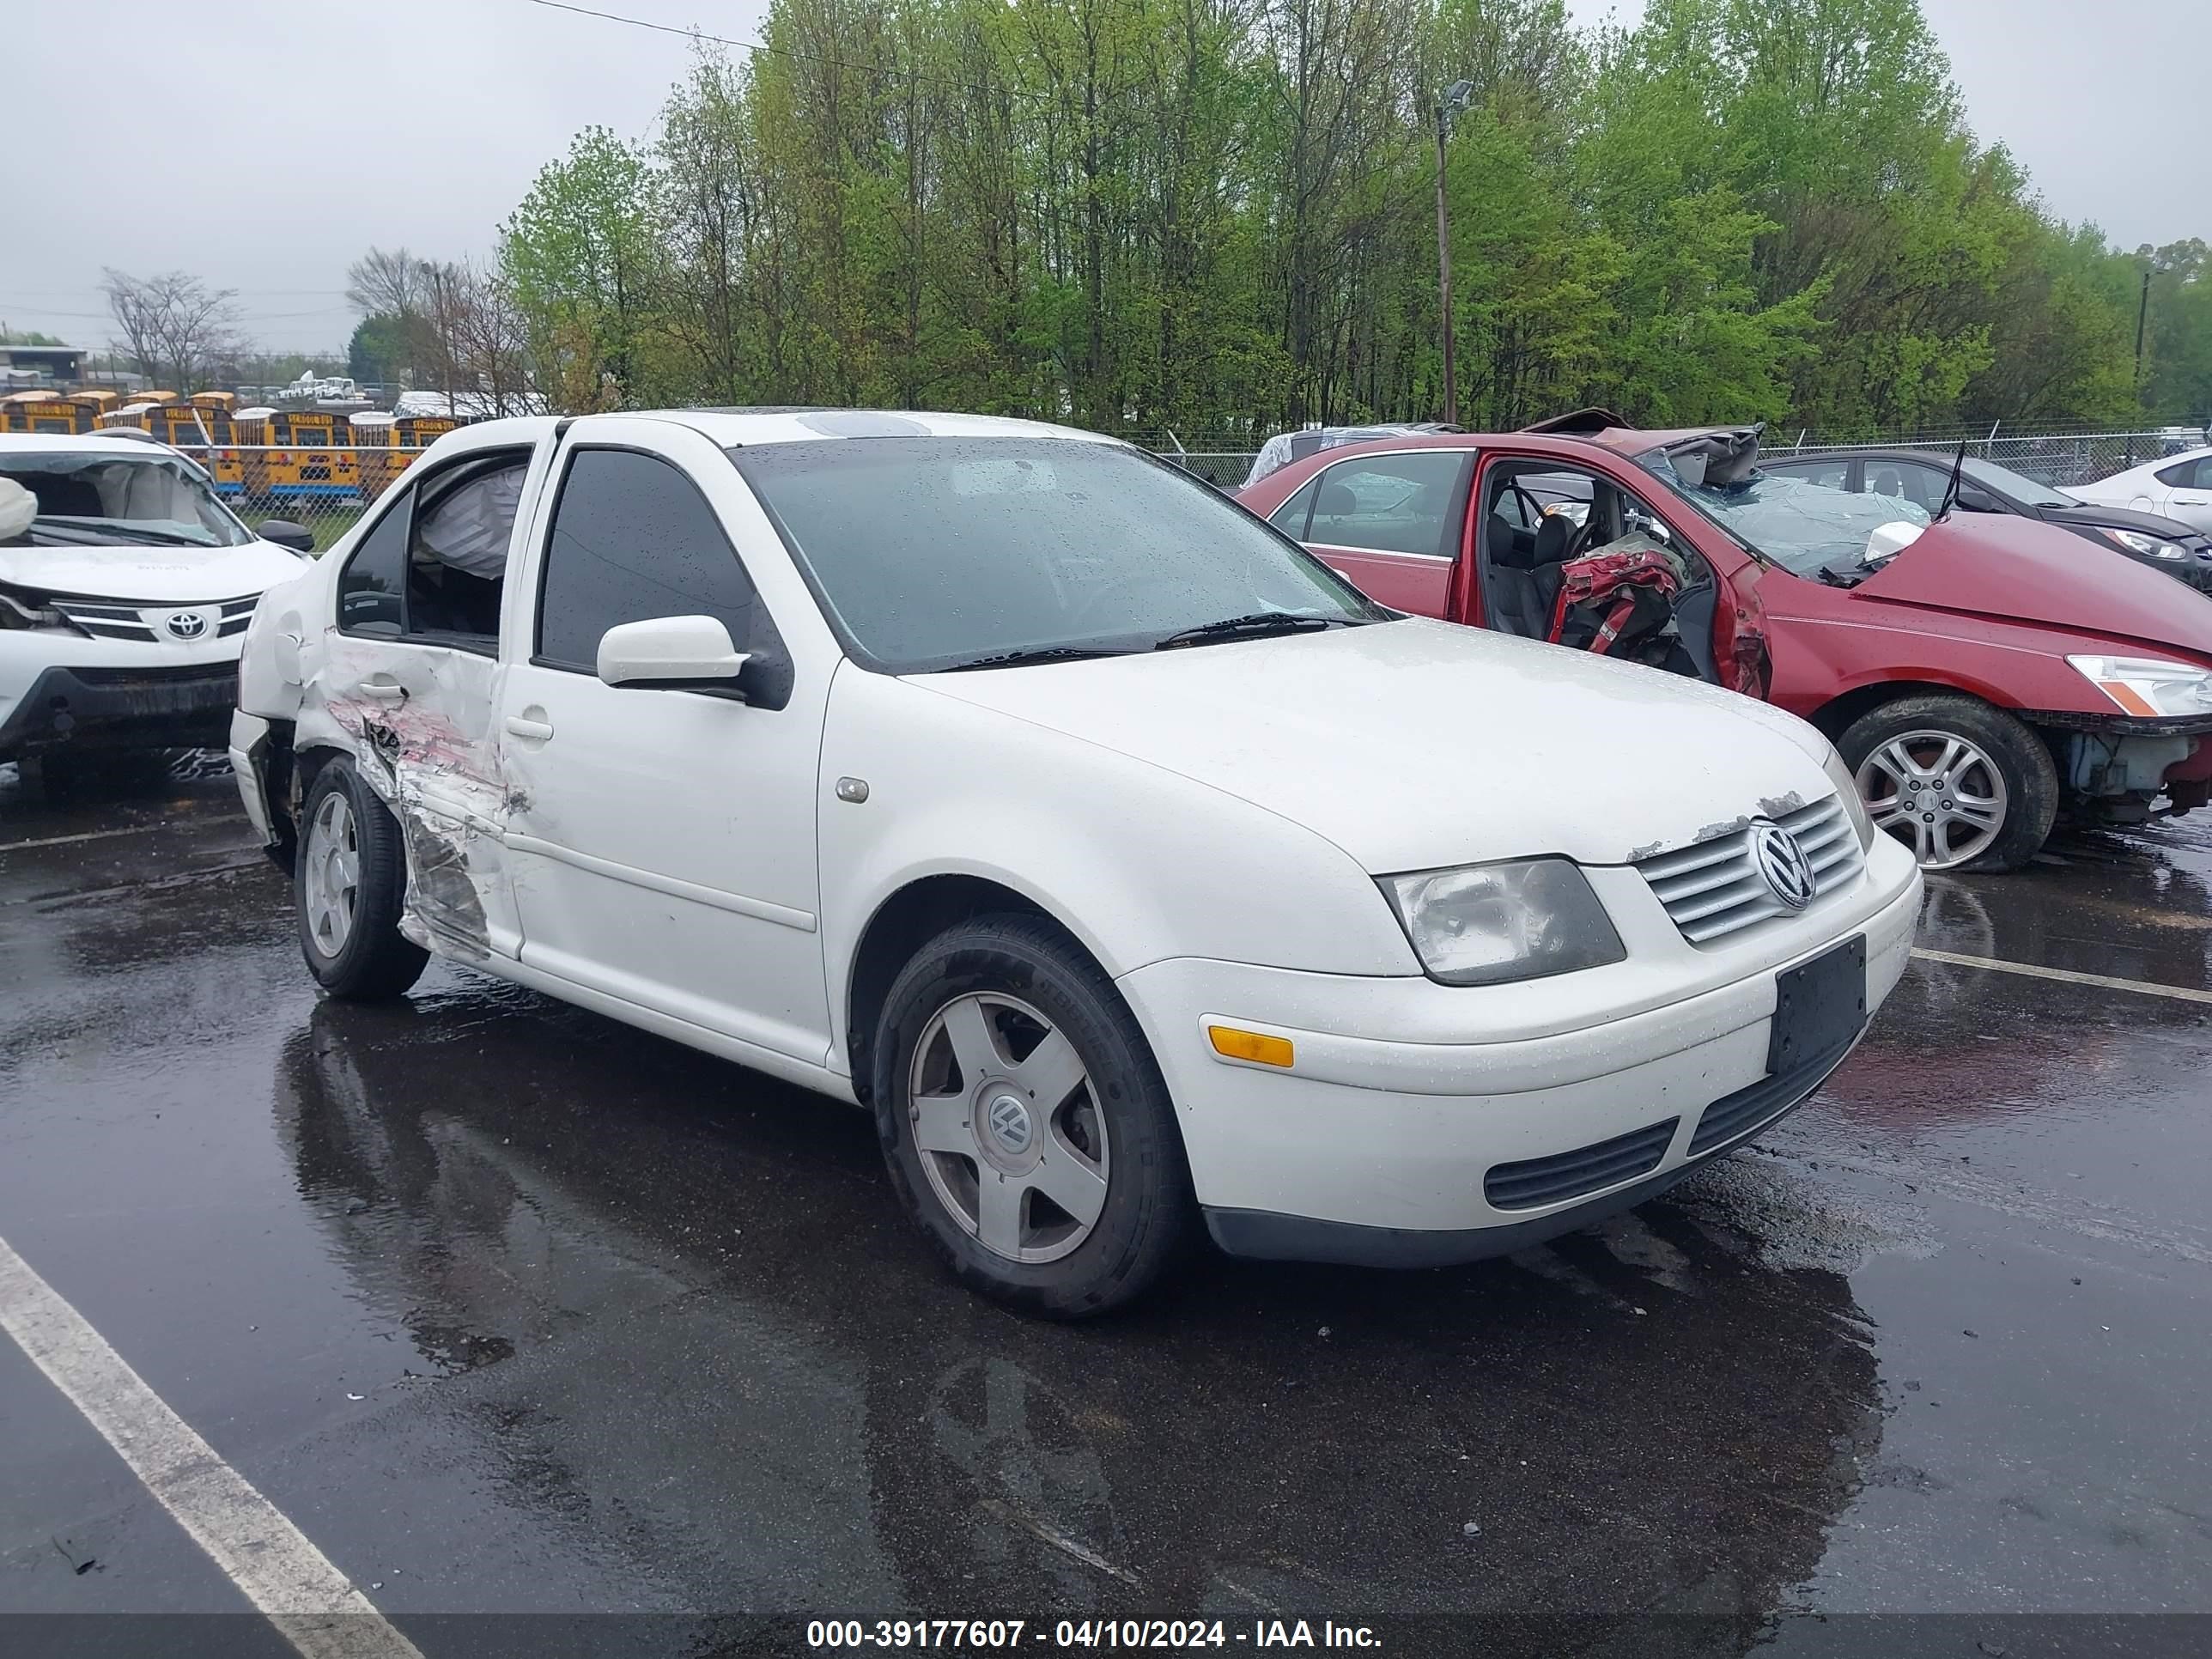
(1980, 674)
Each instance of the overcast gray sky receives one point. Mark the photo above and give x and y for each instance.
(285, 144)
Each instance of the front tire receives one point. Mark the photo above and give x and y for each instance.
(1961, 782)
(350, 883)
(1026, 1123)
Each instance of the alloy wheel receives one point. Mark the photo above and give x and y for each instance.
(329, 874)
(1936, 792)
(1006, 1128)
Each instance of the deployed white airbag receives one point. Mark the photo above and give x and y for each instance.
(470, 526)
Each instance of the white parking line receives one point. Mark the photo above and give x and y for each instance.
(312, 1604)
(89, 835)
(2140, 987)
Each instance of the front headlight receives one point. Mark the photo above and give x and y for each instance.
(2149, 546)
(1493, 922)
(20, 610)
(1847, 787)
(2149, 686)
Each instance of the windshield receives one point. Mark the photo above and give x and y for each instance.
(2022, 488)
(101, 498)
(933, 553)
(1804, 527)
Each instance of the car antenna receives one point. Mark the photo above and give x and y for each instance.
(1950, 490)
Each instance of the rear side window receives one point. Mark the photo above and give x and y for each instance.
(632, 540)
(2188, 475)
(375, 578)
(1291, 517)
(1390, 503)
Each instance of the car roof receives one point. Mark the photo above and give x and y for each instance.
(2154, 464)
(747, 426)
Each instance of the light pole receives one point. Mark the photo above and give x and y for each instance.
(1453, 98)
(2142, 315)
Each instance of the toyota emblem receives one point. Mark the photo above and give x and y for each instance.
(1782, 863)
(185, 624)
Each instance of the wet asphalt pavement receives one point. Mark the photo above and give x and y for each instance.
(512, 1308)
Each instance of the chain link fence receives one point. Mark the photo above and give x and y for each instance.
(327, 490)
(2054, 459)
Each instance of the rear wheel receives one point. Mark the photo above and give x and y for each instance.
(350, 879)
(1962, 783)
(1024, 1122)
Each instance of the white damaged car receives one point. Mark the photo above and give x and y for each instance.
(1134, 871)
(125, 587)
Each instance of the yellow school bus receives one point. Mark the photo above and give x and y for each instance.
(207, 428)
(15, 411)
(62, 412)
(307, 460)
(50, 411)
(154, 399)
(130, 415)
(251, 427)
(378, 461)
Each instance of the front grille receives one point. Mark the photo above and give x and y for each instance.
(140, 619)
(1539, 1181)
(1711, 889)
(1732, 1117)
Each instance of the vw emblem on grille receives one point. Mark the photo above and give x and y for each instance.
(1782, 863)
(185, 624)
(1009, 1123)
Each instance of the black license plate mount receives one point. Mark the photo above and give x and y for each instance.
(1818, 1005)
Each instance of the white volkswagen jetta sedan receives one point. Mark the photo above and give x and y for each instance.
(1131, 867)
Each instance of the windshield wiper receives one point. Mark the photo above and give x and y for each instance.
(1258, 625)
(1034, 654)
(121, 535)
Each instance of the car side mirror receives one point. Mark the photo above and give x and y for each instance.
(670, 653)
(285, 533)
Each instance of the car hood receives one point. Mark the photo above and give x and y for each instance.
(182, 574)
(1417, 744)
(2018, 570)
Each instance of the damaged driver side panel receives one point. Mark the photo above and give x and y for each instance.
(417, 722)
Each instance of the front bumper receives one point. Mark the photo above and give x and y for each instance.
(162, 706)
(1385, 1152)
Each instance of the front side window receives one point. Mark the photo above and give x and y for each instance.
(1390, 503)
(433, 567)
(632, 539)
(372, 587)
(99, 498)
(457, 547)
(937, 553)
(1903, 480)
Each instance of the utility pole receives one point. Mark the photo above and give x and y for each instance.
(1451, 99)
(2143, 314)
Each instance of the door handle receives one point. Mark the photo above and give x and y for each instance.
(383, 690)
(522, 727)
